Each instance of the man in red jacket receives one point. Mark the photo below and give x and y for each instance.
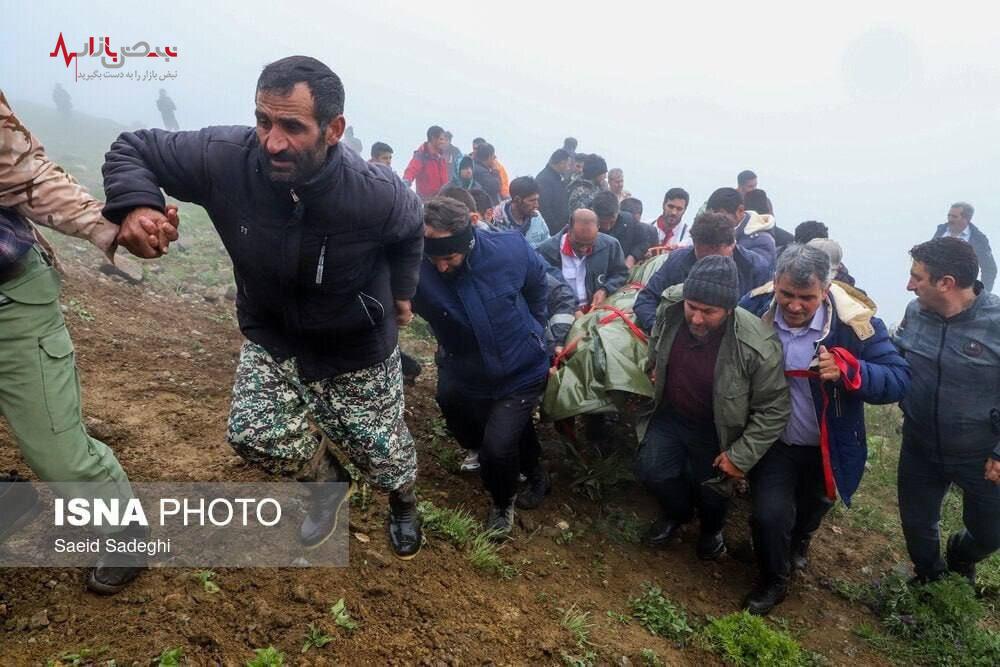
(429, 167)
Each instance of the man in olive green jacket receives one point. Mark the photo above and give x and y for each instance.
(720, 401)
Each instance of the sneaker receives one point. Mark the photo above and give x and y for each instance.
(500, 522)
(471, 462)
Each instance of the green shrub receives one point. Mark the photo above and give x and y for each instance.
(661, 616)
(743, 640)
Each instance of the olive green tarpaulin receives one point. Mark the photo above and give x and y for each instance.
(604, 356)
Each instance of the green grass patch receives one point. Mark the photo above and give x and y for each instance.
(935, 624)
(743, 640)
(660, 616)
(460, 529)
(266, 657)
(454, 525)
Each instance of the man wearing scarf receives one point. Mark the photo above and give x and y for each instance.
(592, 263)
(838, 357)
(484, 296)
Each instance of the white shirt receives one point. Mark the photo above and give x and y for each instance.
(965, 234)
(574, 270)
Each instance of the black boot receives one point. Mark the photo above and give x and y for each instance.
(956, 563)
(115, 571)
(662, 532)
(405, 534)
(18, 504)
(800, 551)
(765, 596)
(501, 521)
(328, 498)
(710, 546)
(539, 486)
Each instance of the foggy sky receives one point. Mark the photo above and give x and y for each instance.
(871, 119)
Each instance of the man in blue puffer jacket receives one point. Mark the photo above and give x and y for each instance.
(838, 357)
(484, 296)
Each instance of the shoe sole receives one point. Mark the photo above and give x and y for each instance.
(351, 488)
(21, 521)
(94, 586)
(713, 556)
(408, 557)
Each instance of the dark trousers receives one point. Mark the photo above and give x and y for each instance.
(922, 485)
(500, 430)
(789, 502)
(673, 460)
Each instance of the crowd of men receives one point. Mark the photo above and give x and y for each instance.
(762, 349)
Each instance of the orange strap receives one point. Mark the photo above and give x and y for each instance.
(615, 313)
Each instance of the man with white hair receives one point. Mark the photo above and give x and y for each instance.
(838, 357)
(960, 226)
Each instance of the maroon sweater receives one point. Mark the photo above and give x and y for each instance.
(691, 374)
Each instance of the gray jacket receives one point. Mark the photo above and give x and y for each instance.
(953, 407)
(606, 267)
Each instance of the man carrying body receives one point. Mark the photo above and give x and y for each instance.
(484, 296)
(590, 262)
(720, 400)
(838, 357)
(326, 252)
(950, 335)
(620, 225)
(960, 226)
(712, 234)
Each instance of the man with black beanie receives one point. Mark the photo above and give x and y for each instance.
(720, 401)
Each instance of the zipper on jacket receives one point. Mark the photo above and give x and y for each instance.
(937, 393)
(322, 259)
(836, 402)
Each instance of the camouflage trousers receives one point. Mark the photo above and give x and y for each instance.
(270, 421)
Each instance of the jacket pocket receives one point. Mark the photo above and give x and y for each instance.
(60, 382)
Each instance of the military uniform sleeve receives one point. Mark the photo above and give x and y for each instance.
(42, 191)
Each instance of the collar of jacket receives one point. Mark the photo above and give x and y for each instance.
(970, 313)
(320, 182)
(851, 306)
(754, 223)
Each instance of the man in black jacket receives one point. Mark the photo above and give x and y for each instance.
(554, 204)
(622, 226)
(960, 226)
(326, 251)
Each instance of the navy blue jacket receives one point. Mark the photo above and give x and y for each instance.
(752, 268)
(317, 265)
(981, 244)
(885, 376)
(489, 319)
